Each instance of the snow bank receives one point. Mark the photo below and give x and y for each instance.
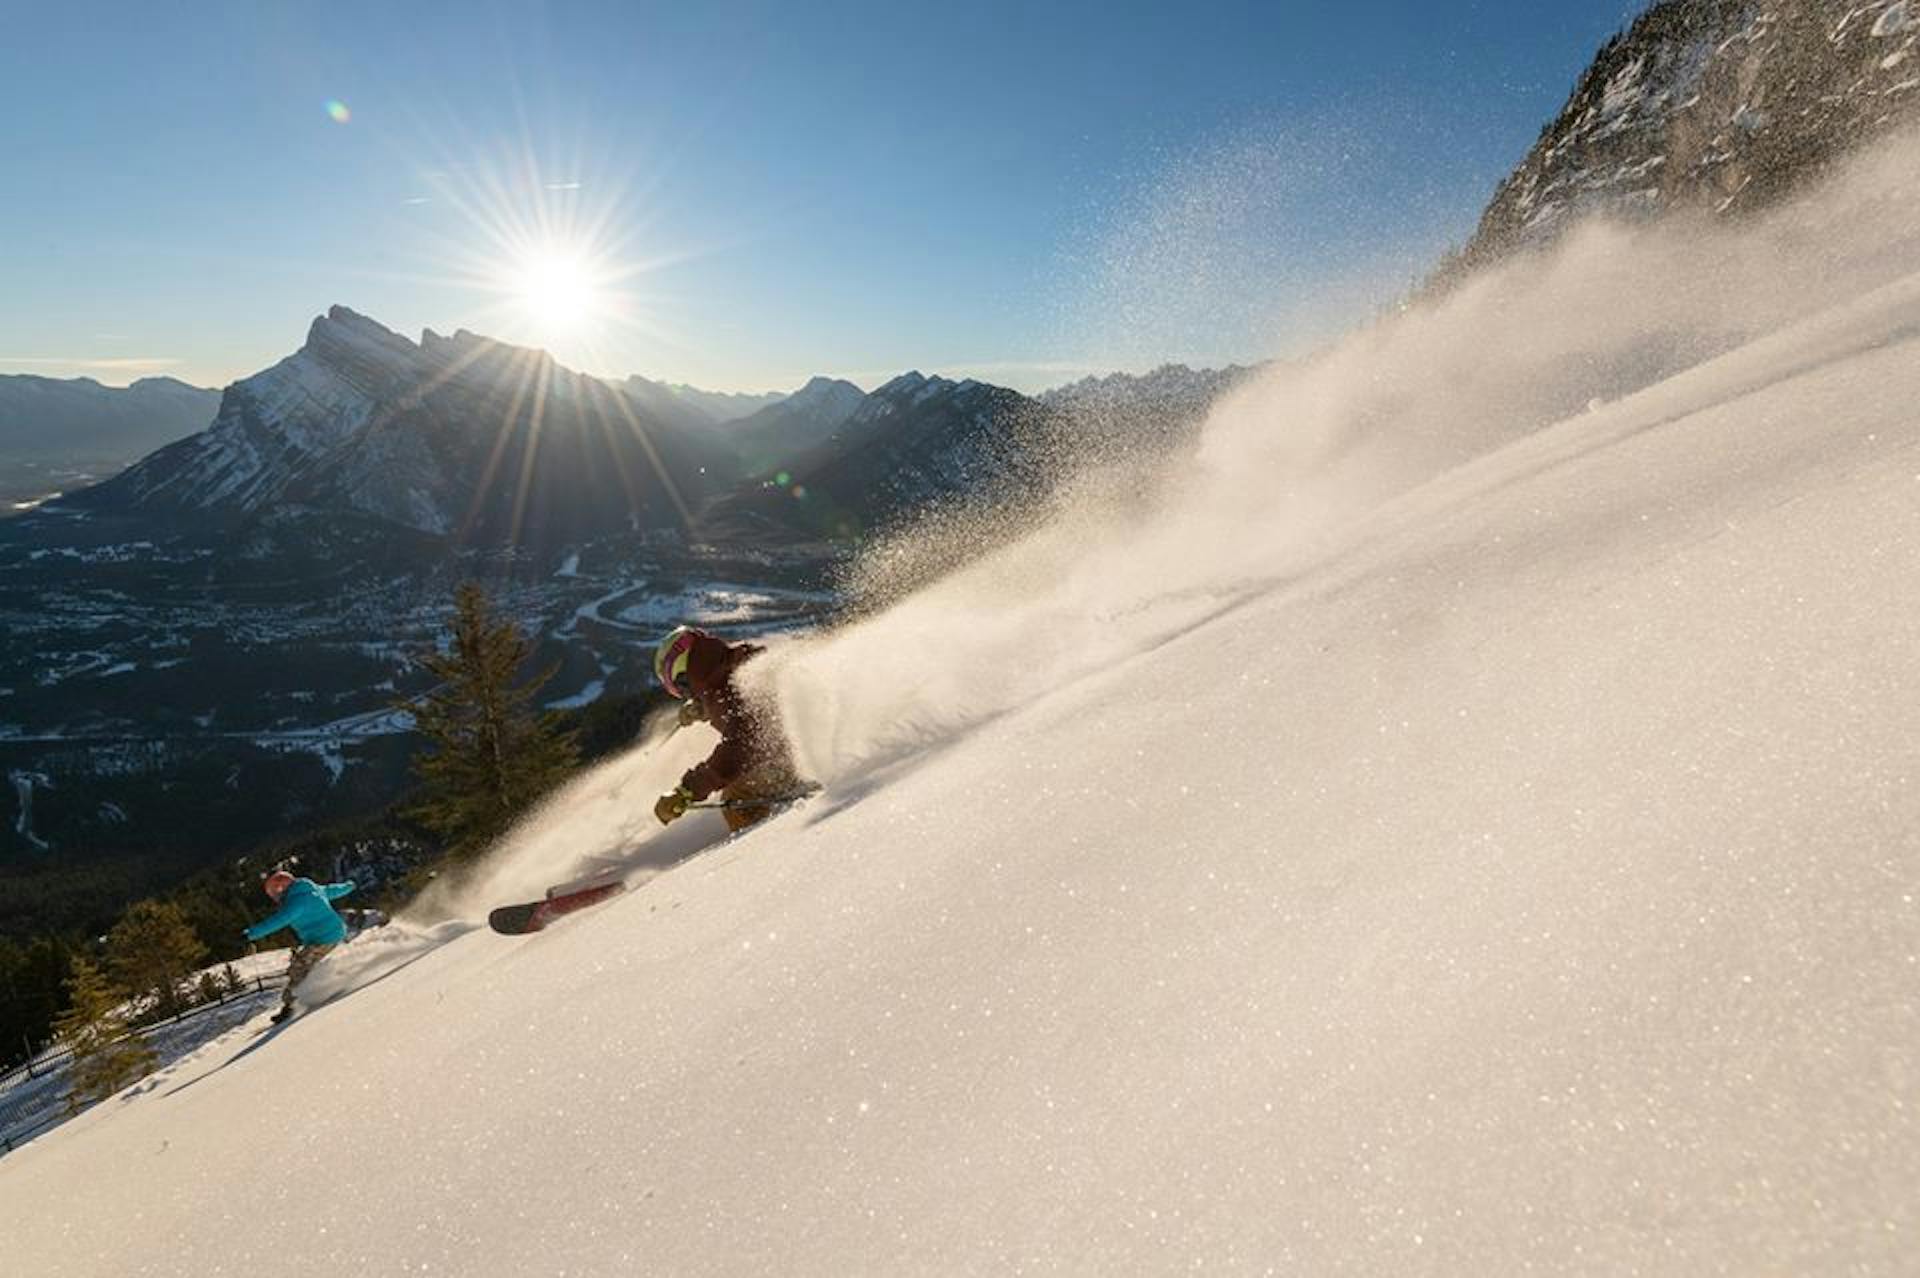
(1453, 829)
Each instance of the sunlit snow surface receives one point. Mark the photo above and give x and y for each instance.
(1431, 839)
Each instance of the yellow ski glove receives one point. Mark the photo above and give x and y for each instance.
(671, 807)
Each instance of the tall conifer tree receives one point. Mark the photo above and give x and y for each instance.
(106, 1057)
(493, 756)
(151, 953)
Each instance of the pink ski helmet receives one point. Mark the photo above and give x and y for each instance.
(670, 659)
(277, 883)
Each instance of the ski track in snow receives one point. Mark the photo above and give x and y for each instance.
(1464, 825)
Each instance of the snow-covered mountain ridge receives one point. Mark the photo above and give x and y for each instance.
(911, 445)
(803, 421)
(1172, 390)
(1439, 836)
(426, 435)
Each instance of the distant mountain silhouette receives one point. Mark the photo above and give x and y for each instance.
(57, 419)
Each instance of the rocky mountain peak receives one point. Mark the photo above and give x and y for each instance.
(363, 351)
(826, 393)
(362, 422)
(906, 383)
(1713, 106)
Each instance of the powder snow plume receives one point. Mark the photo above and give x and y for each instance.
(1122, 562)
(600, 822)
(1130, 552)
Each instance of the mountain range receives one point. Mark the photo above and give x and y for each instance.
(690, 407)
(58, 434)
(460, 438)
(464, 443)
(46, 418)
(914, 443)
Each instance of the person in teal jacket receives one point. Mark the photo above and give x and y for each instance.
(306, 907)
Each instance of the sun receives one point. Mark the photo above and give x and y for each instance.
(557, 290)
(559, 254)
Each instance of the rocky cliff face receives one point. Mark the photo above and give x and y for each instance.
(459, 437)
(1711, 106)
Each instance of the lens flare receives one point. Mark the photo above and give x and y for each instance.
(337, 111)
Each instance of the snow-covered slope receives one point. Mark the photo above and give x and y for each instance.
(1453, 832)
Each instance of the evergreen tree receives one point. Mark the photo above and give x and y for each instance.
(212, 902)
(106, 1057)
(19, 1007)
(493, 756)
(151, 952)
(31, 994)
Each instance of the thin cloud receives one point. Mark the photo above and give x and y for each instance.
(55, 361)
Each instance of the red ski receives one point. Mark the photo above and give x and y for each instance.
(517, 920)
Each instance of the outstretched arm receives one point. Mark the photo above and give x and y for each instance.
(335, 891)
(282, 917)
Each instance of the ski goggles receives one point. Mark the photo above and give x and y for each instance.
(670, 663)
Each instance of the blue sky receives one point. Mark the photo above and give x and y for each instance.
(740, 195)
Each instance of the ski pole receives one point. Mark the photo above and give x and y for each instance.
(766, 802)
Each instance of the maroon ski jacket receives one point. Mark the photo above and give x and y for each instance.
(748, 744)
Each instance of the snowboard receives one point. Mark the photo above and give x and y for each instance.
(518, 920)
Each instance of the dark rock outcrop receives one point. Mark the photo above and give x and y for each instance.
(1715, 107)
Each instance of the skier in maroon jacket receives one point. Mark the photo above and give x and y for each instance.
(751, 761)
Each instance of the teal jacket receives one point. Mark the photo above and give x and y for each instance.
(304, 908)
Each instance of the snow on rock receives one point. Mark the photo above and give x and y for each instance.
(1464, 825)
(1743, 101)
